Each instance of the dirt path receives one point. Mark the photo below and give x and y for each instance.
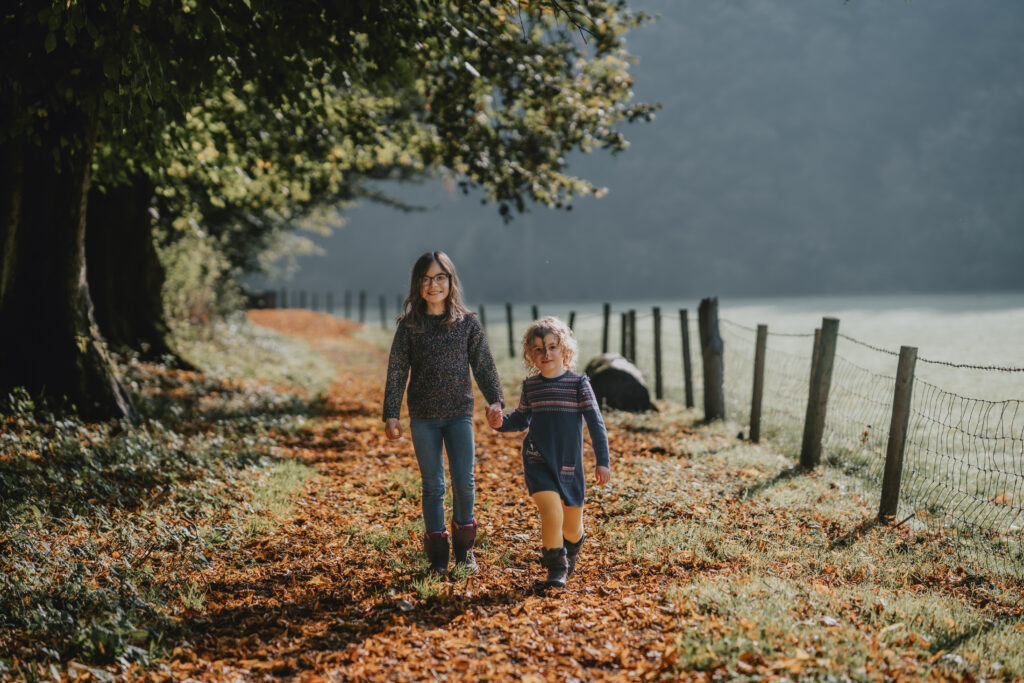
(708, 558)
(339, 591)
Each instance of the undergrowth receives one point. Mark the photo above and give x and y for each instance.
(107, 527)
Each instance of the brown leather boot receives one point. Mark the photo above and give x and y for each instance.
(571, 551)
(435, 544)
(554, 561)
(463, 538)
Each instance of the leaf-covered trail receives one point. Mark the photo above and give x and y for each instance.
(338, 589)
(704, 560)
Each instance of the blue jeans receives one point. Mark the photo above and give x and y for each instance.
(455, 435)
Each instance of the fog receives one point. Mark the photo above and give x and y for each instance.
(804, 147)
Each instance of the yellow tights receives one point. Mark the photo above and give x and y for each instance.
(558, 520)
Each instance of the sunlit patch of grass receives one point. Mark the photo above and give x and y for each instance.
(377, 538)
(460, 572)
(505, 559)
(273, 496)
(193, 596)
(427, 586)
(238, 348)
(284, 481)
(407, 482)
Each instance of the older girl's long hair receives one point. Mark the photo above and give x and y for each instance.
(414, 310)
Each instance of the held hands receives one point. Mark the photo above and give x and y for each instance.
(603, 475)
(392, 429)
(494, 415)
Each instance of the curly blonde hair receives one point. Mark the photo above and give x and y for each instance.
(539, 329)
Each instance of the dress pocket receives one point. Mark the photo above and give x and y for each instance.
(531, 453)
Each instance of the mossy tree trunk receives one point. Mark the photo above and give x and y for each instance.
(49, 341)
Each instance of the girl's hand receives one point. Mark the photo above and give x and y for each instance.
(494, 415)
(603, 475)
(392, 429)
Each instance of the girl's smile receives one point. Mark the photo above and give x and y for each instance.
(434, 288)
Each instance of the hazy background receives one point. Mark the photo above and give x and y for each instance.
(804, 147)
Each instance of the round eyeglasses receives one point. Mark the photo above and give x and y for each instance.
(440, 279)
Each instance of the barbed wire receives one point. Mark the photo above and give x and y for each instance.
(947, 364)
(868, 346)
(967, 366)
(770, 333)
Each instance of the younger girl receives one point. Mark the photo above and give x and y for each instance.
(435, 345)
(553, 404)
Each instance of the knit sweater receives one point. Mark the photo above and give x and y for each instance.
(553, 409)
(436, 363)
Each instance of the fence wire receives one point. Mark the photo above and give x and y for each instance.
(857, 420)
(963, 474)
(963, 467)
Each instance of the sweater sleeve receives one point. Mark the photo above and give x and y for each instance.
(398, 373)
(595, 423)
(518, 419)
(482, 362)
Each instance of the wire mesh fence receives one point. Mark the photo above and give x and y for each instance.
(963, 460)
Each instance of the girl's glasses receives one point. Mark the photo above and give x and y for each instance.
(439, 279)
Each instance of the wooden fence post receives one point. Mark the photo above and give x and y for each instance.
(535, 312)
(657, 352)
(330, 302)
(684, 330)
(632, 335)
(348, 304)
(755, 400)
(302, 299)
(362, 306)
(283, 303)
(604, 329)
(817, 400)
(383, 312)
(623, 330)
(572, 320)
(712, 354)
(897, 434)
(511, 334)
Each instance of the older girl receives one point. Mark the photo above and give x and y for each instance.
(437, 342)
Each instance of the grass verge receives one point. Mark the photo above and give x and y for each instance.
(107, 527)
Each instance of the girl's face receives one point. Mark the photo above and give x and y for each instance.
(435, 288)
(547, 355)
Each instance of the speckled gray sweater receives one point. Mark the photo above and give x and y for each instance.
(436, 363)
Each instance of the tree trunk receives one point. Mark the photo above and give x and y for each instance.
(49, 341)
(125, 276)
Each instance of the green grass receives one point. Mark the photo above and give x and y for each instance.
(237, 349)
(273, 496)
(107, 526)
(777, 573)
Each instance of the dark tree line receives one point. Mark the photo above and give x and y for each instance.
(122, 120)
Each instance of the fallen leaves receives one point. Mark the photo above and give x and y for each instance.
(337, 590)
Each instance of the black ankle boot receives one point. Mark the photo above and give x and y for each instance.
(463, 539)
(435, 544)
(571, 551)
(554, 561)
